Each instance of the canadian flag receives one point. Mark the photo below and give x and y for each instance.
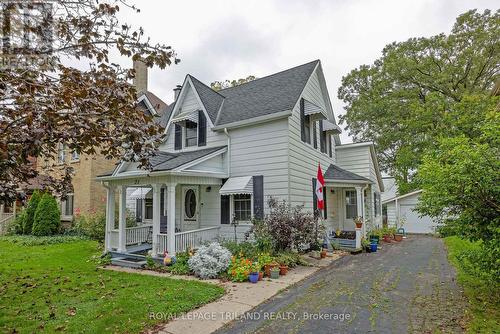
(320, 183)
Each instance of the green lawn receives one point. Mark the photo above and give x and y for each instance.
(58, 288)
(484, 297)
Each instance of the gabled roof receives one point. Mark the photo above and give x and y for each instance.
(335, 173)
(167, 161)
(264, 96)
(416, 192)
(210, 98)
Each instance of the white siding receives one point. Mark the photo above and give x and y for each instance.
(215, 164)
(391, 213)
(262, 150)
(356, 160)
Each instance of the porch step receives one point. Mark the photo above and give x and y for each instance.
(129, 262)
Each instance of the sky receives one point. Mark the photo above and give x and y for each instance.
(219, 39)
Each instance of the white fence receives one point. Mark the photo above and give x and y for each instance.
(139, 234)
(189, 239)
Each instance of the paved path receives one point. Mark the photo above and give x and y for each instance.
(408, 287)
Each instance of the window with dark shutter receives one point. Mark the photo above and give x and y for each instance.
(330, 149)
(322, 138)
(224, 210)
(202, 128)
(315, 135)
(258, 197)
(178, 137)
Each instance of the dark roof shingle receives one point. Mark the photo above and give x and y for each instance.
(336, 173)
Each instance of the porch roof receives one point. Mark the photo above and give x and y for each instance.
(335, 173)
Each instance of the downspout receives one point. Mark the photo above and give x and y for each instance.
(363, 208)
(228, 152)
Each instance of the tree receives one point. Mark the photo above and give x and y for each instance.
(30, 212)
(44, 102)
(218, 85)
(47, 217)
(401, 102)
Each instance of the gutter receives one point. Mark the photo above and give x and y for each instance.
(253, 120)
(228, 152)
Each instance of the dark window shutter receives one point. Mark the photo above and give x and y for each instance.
(302, 121)
(324, 204)
(178, 137)
(315, 135)
(330, 150)
(315, 200)
(224, 209)
(322, 138)
(258, 197)
(138, 210)
(202, 128)
(162, 201)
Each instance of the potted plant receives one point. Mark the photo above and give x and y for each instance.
(365, 244)
(261, 275)
(398, 237)
(323, 253)
(270, 267)
(373, 247)
(358, 221)
(253, 277)
(275, 272)
(265, 260)
(283, 269)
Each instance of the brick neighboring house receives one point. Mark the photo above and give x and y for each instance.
(88, 194)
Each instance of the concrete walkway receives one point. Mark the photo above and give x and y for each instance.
(239, 299)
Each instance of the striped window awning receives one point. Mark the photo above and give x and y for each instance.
(188, 115)
(141, 193)
(312, 109)
(329, 126)
(237, 185)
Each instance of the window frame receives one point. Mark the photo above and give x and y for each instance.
(64, 207)
(235, 200)
(61, 153)
(307, 129)
(148, 202)
(350, 204)
(75, 156)
(185, 141)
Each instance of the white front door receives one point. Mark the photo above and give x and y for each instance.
(190, 205)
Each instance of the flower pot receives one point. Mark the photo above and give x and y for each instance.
(368, 249)
(359, 225)
(275, 273)
(283, 270)
(323, 254)
(261, 275)
(373, 247)
(268, 267)
(375, 238)
(398, 237)
(253, 277)
(387, 238)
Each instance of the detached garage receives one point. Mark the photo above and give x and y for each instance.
(402, 208)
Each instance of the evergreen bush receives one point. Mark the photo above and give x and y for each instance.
(30, 212)
(47, 219)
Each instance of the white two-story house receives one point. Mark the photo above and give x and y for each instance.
(227, 152)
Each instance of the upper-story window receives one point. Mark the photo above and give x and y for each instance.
(307, 128)
(61, 153)
(191, 133)
(75, 156)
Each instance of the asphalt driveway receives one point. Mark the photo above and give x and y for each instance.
(406, 287)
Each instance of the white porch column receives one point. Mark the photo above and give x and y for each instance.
(156, 216)
(171, 218)
(110, 214)
(122, 219)
(359, 201)
(372, 207)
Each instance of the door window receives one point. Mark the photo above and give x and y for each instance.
(190, 203)
(351, 204)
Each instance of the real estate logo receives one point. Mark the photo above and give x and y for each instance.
(26, 32)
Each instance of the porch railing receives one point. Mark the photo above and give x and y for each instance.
(5, 220)
(139, 234)
(195, 238)
(188, 239)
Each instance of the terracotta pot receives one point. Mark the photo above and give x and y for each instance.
(261, 275)
(283, 270)
(387, 238)
(359, 225)
(323, 254)
(398, 237)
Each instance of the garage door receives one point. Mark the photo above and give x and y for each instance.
(415, 224)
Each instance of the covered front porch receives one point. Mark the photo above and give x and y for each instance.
(145, 211)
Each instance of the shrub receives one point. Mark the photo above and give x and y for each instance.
(209, 261)
(16, 225)
(47, 217)
(242, 249)
(91, 225)
(240, 269)
(30, 240)
(181, 266)
(482, 262)
(30, 212)
(290, 259)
